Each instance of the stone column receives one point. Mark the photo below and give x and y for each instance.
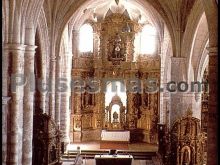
(5, 76)
(212, 114)
(197, 105)
(75, 43)
(177, 75)
(58, 93)
(65, 99)
(28, 113)
(64, 118)
(16, 106)
(96, 41)
(52, 88)
(43, 102)
(165, 109)
(5, 84)
(75, 48)
(44, 84)
(4, 128)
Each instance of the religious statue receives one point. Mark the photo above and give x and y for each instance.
(117, 53)
(117, 47)
(115, 117)
(186, 157)
(87, 98)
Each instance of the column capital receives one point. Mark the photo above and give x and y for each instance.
(30, 47)
(177, 59)
(53, 59)
(5, 100)
(30, 51)
(15, 47)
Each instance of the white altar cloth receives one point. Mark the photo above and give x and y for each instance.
(115, 136)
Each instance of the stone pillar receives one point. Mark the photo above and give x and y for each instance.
(16, 106)
(165, 109)
(4, 128)
(65, 99)
(212, 114)
(43, 102)
(96, 42)
(197, 105)
(75, 43)
(52, 88)
(177, 75)
(28, 113)
(5, 76)
(5, 83)
(44, 84)
(75, 48)
(58, 93)
(64, 118)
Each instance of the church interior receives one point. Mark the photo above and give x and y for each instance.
(130, 82)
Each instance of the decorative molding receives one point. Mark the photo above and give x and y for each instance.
(14, 47)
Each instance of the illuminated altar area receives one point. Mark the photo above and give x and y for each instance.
(131, 116)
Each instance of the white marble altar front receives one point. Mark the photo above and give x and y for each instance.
(123, 136)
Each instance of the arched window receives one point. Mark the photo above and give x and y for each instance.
(148, 40)
(86, 38)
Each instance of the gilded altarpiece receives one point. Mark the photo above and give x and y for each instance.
(187, 142)
(113, 59)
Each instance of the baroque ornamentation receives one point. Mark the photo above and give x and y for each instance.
(46, 140)
(187, 142)
(116, 34)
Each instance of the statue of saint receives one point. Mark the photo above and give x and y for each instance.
(186, 157)
(87, 100)
(117, 47)
(115, 117)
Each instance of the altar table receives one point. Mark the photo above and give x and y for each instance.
(120, 136)
(113, 159)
